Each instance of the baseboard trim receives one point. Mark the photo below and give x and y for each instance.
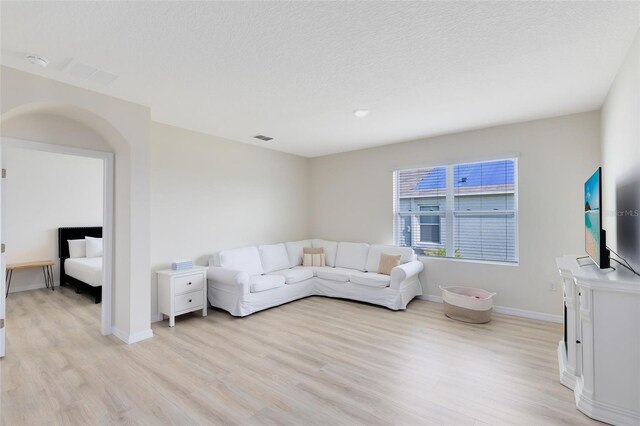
(508, 311)
(36, 286)
(132, 338)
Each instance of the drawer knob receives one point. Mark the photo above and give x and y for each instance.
(189, 300)
(578, 341)
(189, 283)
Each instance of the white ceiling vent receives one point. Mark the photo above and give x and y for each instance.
(88, 72)
(263, 138)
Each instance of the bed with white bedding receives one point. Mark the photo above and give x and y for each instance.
(84, 270)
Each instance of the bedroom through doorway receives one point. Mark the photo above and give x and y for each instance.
(57, 215)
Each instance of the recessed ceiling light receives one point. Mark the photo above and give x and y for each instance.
(38, 60)
(361, 112)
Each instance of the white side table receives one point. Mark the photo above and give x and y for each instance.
(180, 292)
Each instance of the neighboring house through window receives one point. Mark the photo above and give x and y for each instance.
(461, 211)
(430, 225)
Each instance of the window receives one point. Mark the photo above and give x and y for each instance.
(467, 211)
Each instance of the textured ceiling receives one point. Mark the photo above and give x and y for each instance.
(295, 71)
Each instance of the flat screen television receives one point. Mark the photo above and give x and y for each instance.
(595, 241)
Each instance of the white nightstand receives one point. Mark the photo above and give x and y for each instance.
(180, 292)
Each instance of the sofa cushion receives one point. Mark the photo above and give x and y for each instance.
(334, 274)
(245, 259)
(352, 255)
(370, 279)
(274, 257)
(330, 250)
(294, 251)
(293, 276)
(312, 269)
(258, 283)
(373, 259)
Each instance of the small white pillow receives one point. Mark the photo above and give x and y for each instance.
(77, 248)
(94, 247)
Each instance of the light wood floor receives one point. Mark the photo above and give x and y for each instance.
(314, 361)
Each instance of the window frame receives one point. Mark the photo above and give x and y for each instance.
(450, 213)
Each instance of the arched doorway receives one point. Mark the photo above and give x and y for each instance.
(65, 130)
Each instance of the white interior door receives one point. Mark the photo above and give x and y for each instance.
(2, 259)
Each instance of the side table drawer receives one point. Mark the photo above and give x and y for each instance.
(188, 283)
(187, 301)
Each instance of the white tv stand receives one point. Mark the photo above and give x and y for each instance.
(601, 359)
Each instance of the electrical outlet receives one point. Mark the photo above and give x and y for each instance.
(553, 286)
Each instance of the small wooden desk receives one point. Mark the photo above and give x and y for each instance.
(47, 271)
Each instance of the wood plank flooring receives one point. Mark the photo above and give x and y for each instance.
(313, 361)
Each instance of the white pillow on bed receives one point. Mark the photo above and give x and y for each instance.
(94, 247)
(77, 248)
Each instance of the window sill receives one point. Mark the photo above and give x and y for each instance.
(483, 262)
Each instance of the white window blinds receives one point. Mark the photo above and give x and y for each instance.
(466, 211)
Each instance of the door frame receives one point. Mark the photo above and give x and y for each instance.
(107, 215)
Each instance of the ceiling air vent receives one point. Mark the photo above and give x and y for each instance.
(88, 72)
(263, 138)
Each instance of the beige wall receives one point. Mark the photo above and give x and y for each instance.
(210, 194)
(621, 159)
(45, 191)
(352, 200)
(125, 128)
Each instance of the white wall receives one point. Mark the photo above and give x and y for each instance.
(621, 159)
(210, 194)
(44, 191)
(352, 200)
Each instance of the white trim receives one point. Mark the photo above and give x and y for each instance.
(36, 286)
(54, 148)
(602, 411)
(107, 225)
(516, 185)
(567, 378)
(132, 338)
(542, 316)
(107, 241)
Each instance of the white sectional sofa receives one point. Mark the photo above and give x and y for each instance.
(246, 280)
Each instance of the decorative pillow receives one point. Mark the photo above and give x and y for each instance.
(313, 259)
(313, 256)
(94, 247)
(312, 250)
(388, 262)
(77, 248)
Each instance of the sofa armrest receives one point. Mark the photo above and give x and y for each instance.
(229, 279)
(403, 272)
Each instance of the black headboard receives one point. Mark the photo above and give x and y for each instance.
(78, 233)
